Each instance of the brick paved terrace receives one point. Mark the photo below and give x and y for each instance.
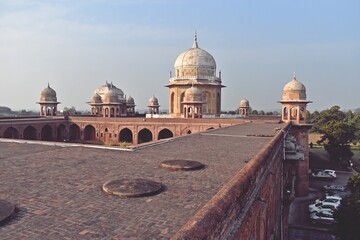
(58, 195)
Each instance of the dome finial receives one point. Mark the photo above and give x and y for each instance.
(294, 75)
(195, 45)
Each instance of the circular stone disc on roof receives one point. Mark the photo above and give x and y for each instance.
(6, 210)
(137, 187)
(182, 165)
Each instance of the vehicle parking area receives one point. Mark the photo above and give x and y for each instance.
(300, 224)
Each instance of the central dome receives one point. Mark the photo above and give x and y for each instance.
(103, 91)
(196, 58)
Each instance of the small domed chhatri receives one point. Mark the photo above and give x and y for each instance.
(294, 102)
(130, 106)
(153, 105)
(48, 102)
(96, 99)
(195, 67)
(244, 108)
(48, 94)
(193, 94)
(294, 90)
(192, 103)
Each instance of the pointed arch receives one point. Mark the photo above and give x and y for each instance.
(74, 132)
(89, 133)
(11, 132)
(165, 133)
(126, 135)
(60, 132)
(145, 135)
(29, 133)
(46, 133)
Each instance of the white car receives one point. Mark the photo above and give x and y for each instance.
(334, 188)
(318, 207)
(324, 217)
(330, 172)
(330, 200)
(324, 174)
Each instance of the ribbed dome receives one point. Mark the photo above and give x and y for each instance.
(195, 57)
(294, 85)
(111, 96)
(294, 90)
(48, 95)
(102, 90)
(153, 101)
(244, 103)
(192, 94)
(96, 98)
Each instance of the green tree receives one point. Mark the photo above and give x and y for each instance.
(338, 131)
(71, 111)
(348, 215)
(356, 122)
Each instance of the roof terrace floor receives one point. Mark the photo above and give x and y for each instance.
(58, 190)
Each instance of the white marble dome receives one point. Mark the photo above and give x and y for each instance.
(106, 87)
(111, 96)
(195, 57)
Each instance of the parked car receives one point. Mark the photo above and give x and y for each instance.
(335, 197)
(333, 188)
(318, 207)
(330, 199)
(325, 174)
(323, 217)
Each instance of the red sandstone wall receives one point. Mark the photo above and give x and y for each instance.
(249, 206)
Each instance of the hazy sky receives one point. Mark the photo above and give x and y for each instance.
(77, 45)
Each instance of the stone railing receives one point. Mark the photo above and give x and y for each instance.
(197, 77)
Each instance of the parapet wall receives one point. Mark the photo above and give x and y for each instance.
(250, 201)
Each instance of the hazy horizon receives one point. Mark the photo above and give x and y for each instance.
(76, 46)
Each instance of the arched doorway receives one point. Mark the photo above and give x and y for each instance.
(144, 135)
(74, 132)
(46, 133)
(60, 133)
(126, 135)
(188, 132)
(29, 133)
(11, 133)
(165, 133)
(89, 133)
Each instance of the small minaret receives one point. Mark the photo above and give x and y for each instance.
(48, 102)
